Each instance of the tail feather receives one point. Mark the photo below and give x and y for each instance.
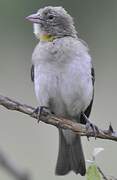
(76, 156)
(70, 156)
(63, 163)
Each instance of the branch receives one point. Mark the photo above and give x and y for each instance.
(104, 176)
(78, 128)
(11, 168)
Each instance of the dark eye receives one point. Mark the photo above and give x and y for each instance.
(50, 17)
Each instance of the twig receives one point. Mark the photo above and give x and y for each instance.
(11, 168)
(103, 175)
(78, 128)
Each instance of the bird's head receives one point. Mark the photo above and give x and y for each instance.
(52, 22)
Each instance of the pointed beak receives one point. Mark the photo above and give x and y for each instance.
(33, 18)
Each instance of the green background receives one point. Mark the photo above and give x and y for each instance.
(34, 146)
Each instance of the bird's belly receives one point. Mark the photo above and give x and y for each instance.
(68, 100)
(48, 90)
(77, 95)
(66, 96)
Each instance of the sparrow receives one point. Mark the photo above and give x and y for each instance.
(63, 77)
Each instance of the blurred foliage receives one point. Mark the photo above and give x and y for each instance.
(93, 173)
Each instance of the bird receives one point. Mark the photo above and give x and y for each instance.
(63, 76)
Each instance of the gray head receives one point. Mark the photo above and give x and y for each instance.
(54, 21)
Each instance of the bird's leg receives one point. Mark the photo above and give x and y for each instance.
(89, 126)
(39, 111)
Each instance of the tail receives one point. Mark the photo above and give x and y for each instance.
(70, 156)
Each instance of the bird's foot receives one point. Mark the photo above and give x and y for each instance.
(90, 126)
(39, 111)
(95, 130)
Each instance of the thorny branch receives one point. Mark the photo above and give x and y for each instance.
(104, 176)
(78, 128)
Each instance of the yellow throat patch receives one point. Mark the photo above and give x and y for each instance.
(47, 37)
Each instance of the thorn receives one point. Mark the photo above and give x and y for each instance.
(110, 129)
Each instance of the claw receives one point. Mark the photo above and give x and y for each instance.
(39, 111)
(90, 126)
(110, 129)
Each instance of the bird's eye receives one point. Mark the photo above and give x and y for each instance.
(50, 17)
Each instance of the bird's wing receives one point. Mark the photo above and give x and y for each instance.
(93, 75)
(32, 73)
(88, 110)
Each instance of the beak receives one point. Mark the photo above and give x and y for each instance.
(33, 18)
